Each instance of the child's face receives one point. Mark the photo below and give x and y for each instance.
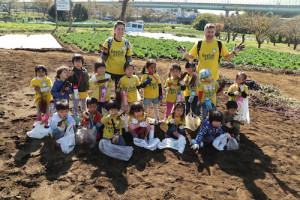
(78, 64)
(240, 80)
(129, 71)
(190, 70)
(152, 68)
(100, 70)
(175, 73)
(178, 112)
(232, 111)
(215, 123)
(207, 79)
(92, 108)
(63, 113)
(41, 73)
(138, 114)
(113, 111)
(64, 75)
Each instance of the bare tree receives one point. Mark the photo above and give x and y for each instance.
(260, 27)
(275, 29)
(43, 5)
(291, 30)
(8, 5)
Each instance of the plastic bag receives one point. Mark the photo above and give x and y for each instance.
(177, 144)
(221, 141)
(192, 121)
(115, 151)
(39, 131)
(151, 144)
(232, 144)
(67, 143)
(244, 111)
(86, 136)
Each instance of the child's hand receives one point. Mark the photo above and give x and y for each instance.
(37, 88)
(242, 87)
(87, 115)
(182, 83)
(143, 124)
(118, 90)
(141, 92)
(236, 93)
(198, 103)
(181, 127)
(67, 88)
(228, 124)
(195, 146)
(110, 80)
(71, 73)
(172, 121)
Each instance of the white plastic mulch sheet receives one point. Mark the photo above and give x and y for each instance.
(39, 41)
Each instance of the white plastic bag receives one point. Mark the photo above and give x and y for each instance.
(115, 151)
(232, 144)
(151, 144)
(177, 144)
(67, 143)
(39, 131)
(244, 111)
(86, 136)
(192, 121)
(221, 141)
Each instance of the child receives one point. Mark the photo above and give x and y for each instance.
(152, 87)
(176, 122)
(112, 124)
(61, 120)
(207, 94)
(138, 122)
(230, 122)
(238, 91)
(61, 88)
(41, 84)
(129, 86)
(101, 84)
(190, 93)
(210, 129)
(80, 80)
(92, 117)
(173, 88)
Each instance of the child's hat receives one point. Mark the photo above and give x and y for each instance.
(204, 73)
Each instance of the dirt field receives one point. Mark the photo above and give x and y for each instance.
(266, 166)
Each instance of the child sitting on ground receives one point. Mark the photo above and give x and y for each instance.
(175, 124)
(139, 126)
(112, 124)
(92, 118)
(210, 129)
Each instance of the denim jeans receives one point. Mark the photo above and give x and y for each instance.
(205, 111)
(193, 104)
(172, 128)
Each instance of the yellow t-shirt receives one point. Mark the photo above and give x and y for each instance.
(175, 88)
(108, 131)
(44, 83)
(178, 121)
(96, 88)
(130, 89)
(189, 88)
(233, 88)
(209, 56)
(151, 91)
(117, 56)
(209, 91)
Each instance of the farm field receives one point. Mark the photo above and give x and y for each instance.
(266, 166)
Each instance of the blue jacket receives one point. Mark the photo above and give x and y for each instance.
(57, 88)
(208, 132)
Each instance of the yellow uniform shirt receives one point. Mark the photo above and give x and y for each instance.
(44, 83)
(189, 88)
(130, 86)
(209, 56)
(96, 88)
(151, 91)
(209, 91)
(179, 121)
(117, 56)
(235, 87)
(175, 88)
(108, 131)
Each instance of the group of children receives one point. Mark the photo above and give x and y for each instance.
(128, 112)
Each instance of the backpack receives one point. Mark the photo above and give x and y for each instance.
(110, 40)
(219, 45)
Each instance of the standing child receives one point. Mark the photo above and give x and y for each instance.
(173, 88)
(112, 124)
(238, 91)
(101, 84)
(210, 129)
(192, 84)
(175, 124)
(61, 88)
(92, 118)
(207, 95)
(152, 87)
(80, 81)
(138, 122)
(41, 84)
(129, 86)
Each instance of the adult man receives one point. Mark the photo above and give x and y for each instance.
(209, 51)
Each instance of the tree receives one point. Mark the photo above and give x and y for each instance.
(203, 19)
(291, 30)
(275, 29)
(124, 7)
(61, 15)
(260, 27)
(80, 13)
(8, 5)
(43, 5)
